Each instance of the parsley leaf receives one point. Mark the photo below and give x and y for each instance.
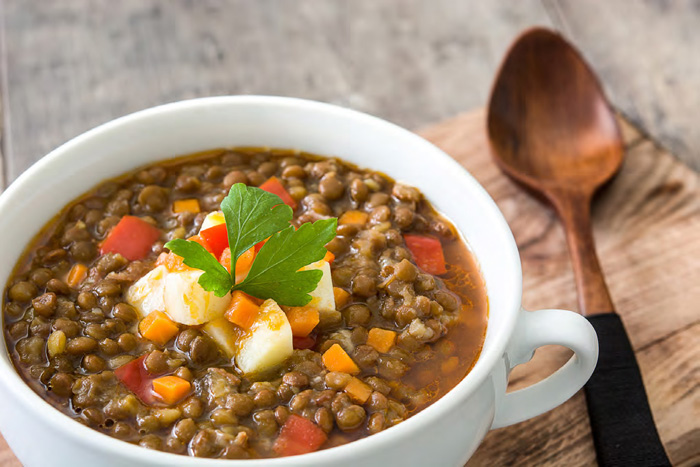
(252, 215)
(275, 272)
(215, 278)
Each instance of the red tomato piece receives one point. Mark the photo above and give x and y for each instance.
(131, 237)
(427, 251)
(307, 342)
(260, 244)
(217, 239)
(137, 379)
(273, 185)
(299, 436)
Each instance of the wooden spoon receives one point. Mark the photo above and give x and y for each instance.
(552, 130)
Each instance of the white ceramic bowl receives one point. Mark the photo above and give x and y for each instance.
(446, 433)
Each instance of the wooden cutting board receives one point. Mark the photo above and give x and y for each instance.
(647, 225)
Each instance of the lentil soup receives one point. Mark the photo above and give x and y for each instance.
(398, 317)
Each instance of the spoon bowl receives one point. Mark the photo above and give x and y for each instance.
(550, 125)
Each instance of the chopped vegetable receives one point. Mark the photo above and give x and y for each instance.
(224, 334)
(329, 257)
(268, 342)
(341, 296)
(148, 293)
(186, 301)
(299, 436)
(186, 205)
(274, 186)
(76, 275)
(427, 252)
(243, 310)
(171, 262)
(242, 265)
(358, 391)
(353, 217)
(336, 359)
(217, 239)
(137, 379)
(381, 339)
(171, 389)
(302, 319)
(132, 238)
(302, 343)
(158, 327)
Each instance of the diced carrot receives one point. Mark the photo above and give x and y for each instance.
(158, 327)
(329, 257)
(217, 239)
(302, 319)
(243, 263)
(76, 275)
(299, 436)
(242, 310)
(358, 391)
(342, 297)
(336, 359)
(171, 389)
(427, 252)
(353, 217)
(132, 238)
(381, 339)
(186, 205)
(171, 261)
(274, 186)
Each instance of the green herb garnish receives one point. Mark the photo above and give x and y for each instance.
(253, 215)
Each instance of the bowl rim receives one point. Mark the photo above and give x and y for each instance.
(483, 368)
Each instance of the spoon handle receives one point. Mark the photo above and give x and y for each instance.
(623, 428)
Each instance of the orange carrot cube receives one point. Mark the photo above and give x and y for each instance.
(358, 391)
(381, 339)
(302, 319)
(158, 327)
(171, 389)
(243, 310)
(336, 359)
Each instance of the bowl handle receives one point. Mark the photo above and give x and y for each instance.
(547, 327)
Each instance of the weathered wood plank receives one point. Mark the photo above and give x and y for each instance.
(646, 55)
(646, 226)
(76, 63)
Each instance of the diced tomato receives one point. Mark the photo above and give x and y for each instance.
(201, 241)
(427, 252)
(260, 244)
(217, 239)
(299, 436)
(137, 379)
(274, 186)
(131, 237)
(307, 342)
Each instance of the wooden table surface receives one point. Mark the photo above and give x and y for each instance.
(68, 65)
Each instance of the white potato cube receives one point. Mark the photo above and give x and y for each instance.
(186, 302)
(212, 219)
(267, 343)
(322, 297)
(224, 333)
(147, 293)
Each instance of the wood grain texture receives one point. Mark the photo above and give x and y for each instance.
(646, 225)
(73, 64)
(646, 54)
